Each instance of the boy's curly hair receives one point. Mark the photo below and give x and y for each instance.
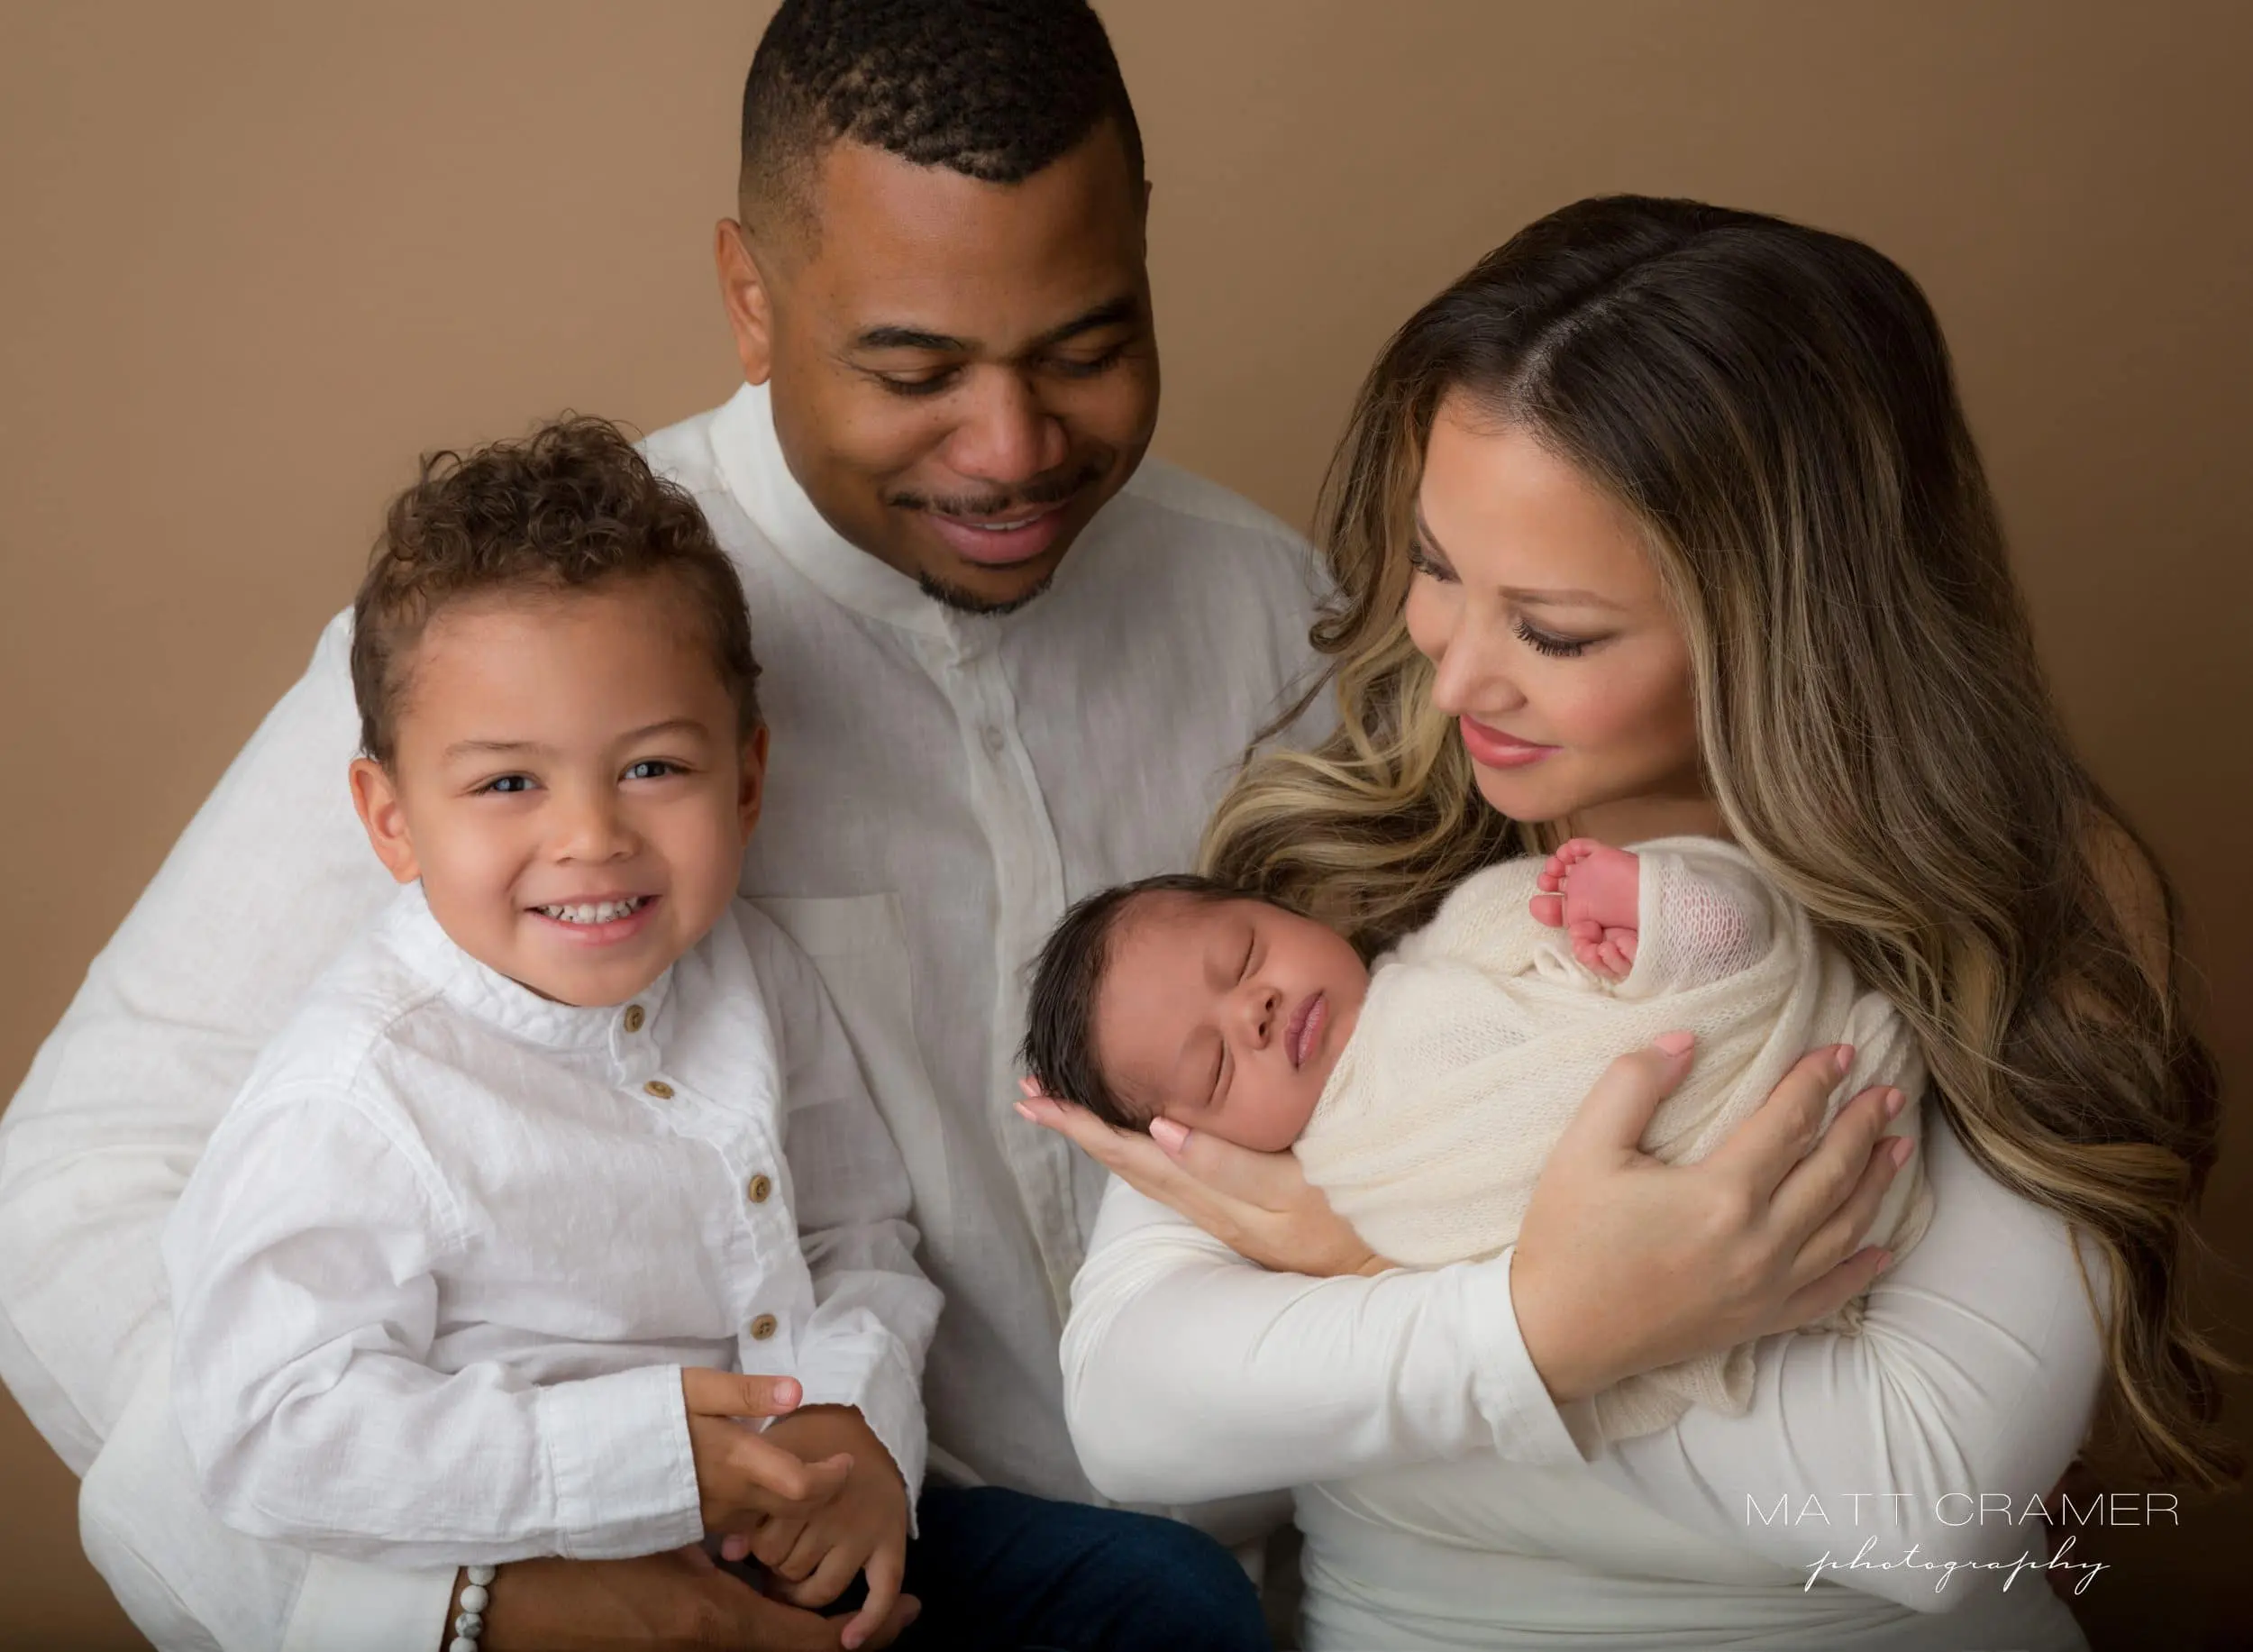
(569, 507)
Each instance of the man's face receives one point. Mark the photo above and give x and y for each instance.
(962, 372)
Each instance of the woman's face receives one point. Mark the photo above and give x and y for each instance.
(1554, 648)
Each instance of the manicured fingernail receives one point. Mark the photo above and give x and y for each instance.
(1844, 1056)
(1675, 1044)
(1894, 1102)
(1903, 1148)
(1169, 1135)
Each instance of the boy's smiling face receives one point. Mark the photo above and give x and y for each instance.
(568, 784)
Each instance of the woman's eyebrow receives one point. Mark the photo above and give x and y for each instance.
(1555, 596)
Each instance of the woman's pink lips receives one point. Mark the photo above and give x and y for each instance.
(1497, 750)
(1305, 1030)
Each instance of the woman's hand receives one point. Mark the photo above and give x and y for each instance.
(1257, 1204)
(1625, 1264)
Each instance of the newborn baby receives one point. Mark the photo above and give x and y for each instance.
(1423, 1097)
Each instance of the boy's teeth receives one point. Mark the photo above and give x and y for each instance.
(595, 912)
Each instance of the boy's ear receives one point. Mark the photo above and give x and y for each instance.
(749, 304)
(377, 801)
(751, 789)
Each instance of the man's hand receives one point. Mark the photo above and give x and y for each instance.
(741, 1474)
(676, 1603)
(1259, 1205)
(862, 1529)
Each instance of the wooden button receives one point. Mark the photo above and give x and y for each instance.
(763, 1327)
(660, 1089)
(760, 1188)
(635, 1015)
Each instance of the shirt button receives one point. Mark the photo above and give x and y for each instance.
(635, 1015)
(759, 1188)
(660, 1089)
(763, 1327)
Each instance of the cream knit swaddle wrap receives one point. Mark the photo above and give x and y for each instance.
(1482, 1033)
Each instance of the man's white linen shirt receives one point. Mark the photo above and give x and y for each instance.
(942, 784)
(438, 1271)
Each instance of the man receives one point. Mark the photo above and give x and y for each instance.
(1008, 661)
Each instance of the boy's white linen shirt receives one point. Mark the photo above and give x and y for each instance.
(437, 1274)
(941, 785)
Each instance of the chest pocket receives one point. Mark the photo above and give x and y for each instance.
(858, 944)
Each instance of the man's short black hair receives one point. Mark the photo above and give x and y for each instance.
(993, 89)
(1059, 1048)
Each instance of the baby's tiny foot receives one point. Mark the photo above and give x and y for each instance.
(1593, 891)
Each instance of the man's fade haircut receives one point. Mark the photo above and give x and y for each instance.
(993, 89)
(570, 508)
(1059, 1048)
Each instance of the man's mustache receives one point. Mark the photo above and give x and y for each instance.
(1041, 491)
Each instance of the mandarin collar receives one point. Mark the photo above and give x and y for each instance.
(749, 458)
(488, 996)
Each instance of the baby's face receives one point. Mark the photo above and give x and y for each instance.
(569, 785)
(1225, 1017)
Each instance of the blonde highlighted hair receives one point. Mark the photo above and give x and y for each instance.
(1775, 406)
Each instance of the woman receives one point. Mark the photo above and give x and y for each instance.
(1665, 518)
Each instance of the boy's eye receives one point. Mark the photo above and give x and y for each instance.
(507, 783)
(650, 768)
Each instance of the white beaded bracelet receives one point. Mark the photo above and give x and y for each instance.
(470, 1622)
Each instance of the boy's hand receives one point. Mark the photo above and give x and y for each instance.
(815, 1556)
(743, 1476)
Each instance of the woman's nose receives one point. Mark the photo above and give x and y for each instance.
(1469, 673)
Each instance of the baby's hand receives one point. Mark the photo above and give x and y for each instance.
(744, 1475)
(862, 1529)
(1593, 892)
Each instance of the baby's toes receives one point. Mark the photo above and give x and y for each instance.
(1547, 909)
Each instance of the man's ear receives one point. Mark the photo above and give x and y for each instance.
(377, 801)
(752, 790)
(750, 306)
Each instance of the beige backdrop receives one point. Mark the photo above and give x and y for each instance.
(255, 258)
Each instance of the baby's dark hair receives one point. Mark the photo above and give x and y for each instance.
(1059, 1048)
(569, 507)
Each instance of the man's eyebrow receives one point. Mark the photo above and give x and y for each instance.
(1562, 595)
(1110, 314)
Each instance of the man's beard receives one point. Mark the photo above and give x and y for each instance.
(969, 602)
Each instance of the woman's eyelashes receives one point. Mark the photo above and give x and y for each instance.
(1421, 559)
(1548, 643)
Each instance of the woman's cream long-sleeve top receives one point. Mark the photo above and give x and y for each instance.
(1190, 1374)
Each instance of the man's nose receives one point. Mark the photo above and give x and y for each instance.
(1471, 673)
(592, 826)
(1008, 436)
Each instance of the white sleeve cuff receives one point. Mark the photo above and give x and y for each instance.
(1527, 1425)
(349, 1606)
(874, 1375)
(625, 1477)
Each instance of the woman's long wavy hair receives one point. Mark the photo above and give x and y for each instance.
(1776, 407)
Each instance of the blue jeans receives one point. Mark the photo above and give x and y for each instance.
(1001, 1570)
